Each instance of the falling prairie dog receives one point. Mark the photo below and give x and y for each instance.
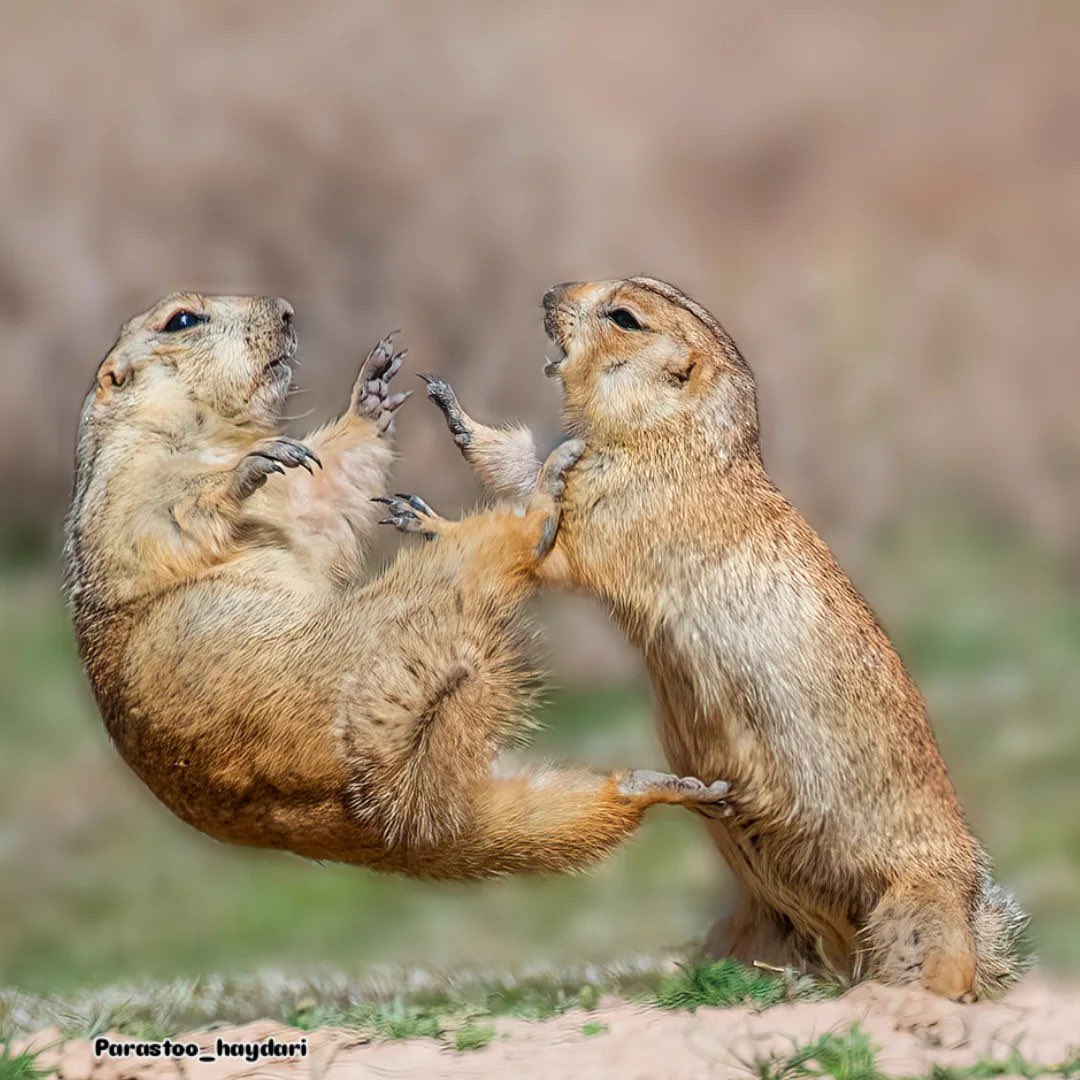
(257, 686)
(846, 839)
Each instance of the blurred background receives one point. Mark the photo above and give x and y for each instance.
(880, 202)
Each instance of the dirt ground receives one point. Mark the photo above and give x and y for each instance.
(912, 1030)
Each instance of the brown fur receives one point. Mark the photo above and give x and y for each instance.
(245, 672)
(847, 842)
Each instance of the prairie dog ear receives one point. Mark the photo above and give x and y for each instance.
(684, 366)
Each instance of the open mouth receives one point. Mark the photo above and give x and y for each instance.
(559, 324)
(281, 366)
(554, 362)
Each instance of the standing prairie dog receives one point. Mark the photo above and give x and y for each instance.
(846, 840)
(244, 671)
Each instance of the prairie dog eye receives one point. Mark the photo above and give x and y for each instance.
(183, 320)
(624, 320)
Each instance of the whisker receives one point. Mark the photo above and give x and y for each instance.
(290, 418)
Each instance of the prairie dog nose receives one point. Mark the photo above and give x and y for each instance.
(286, 310)
(555, 295)
(555, 299)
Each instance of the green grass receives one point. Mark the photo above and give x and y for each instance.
(395, 1003)
(448, 1012)
(473, 1036)
(846, 1056)
(19, 1066)
(850, 1055)
(725, 983)
(396, 1019)
(1013, 1065)
(401, 1004)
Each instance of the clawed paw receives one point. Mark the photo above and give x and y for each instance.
(550, 486)
(371, 396)
(272, 456)
(552, 479)
(709, 800)
(442, 393)
(410, 514)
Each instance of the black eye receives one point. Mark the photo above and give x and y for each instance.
(622, 318)
(183, 320)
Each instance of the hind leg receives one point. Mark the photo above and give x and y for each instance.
(920, 933)
(445, 681)
(545, 820)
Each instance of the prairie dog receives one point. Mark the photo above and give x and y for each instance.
(244, 671)
(847, 841)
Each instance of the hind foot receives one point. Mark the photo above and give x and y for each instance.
(950, 974)
(410, 514)
(922, 935)
(688, 791)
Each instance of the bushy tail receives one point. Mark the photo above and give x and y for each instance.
(1001, 940)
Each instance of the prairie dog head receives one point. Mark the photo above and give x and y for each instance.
(638, 358)
(192, 355)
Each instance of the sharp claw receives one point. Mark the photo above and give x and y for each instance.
(415, 502)
(438, 387)
(382, 499)
(395, 402)
(387, 521)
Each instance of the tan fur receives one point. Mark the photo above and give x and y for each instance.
(847, 841)
(245, 672)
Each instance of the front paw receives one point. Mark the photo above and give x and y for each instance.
(549, 490)
(442, 394)
(271, 456)
(552, 479)
(371, 397)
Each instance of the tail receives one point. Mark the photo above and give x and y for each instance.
(1002, 944)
